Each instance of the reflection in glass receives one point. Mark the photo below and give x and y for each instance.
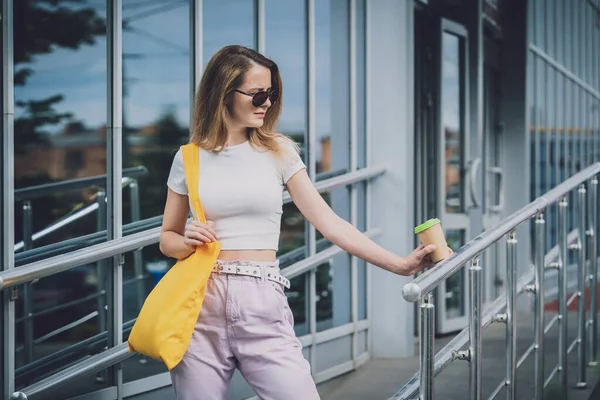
(333, 147)
(455, 305)
(60, 117)
(156, 99)
(60, 135)
(65, 325)
(452, 121)
(285, 28)
(298, 302)
(156, 115)
(226, 22)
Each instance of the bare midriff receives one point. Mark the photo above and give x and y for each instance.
(247, 255)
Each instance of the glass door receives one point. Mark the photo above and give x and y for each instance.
(493, 196)
(455, 169)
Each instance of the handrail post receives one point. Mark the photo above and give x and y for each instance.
(27, 289)
(539, 323)
(562, 295)
(581, 303)
(592, 213)
(475, 344)
(427, 356)
(511, 326)
(101, 273)
(134, 199)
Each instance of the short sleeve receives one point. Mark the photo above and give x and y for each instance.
(292, 162)
(176, 181)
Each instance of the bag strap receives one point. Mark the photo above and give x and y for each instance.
(191, 165)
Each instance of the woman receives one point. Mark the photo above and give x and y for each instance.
(245, 321)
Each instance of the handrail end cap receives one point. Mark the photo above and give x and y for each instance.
(411, 292)
(18, 396)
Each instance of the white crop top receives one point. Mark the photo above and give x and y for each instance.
(241, 190)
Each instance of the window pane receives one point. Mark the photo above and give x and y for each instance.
(452, 123)
(60, 119)
(333, 148)
(226, 22)
(60, 136)
(156, 99)
(285, 42)
(66, 326)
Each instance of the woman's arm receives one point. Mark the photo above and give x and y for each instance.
(343, 234)
(177, 240)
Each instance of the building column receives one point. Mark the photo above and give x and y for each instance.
(391, 128)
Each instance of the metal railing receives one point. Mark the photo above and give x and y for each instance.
(26, 195)
(585, 248)
(39, 269)
(100, 207)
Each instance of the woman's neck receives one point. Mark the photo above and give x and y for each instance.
(238, 136)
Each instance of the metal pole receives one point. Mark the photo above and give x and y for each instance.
(540, 249)
(593, 342)
(7, 198)
(138, 261)
(115, 151)
(475, 364)
(101, 274)
(27, 289)
(562, 295)
(511, 326)
(427, 356)
(101, 264)
(581, 317)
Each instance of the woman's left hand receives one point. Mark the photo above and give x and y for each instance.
(419, 259)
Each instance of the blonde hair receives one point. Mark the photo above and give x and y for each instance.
(224, 73)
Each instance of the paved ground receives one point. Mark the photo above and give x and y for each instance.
(380, 378)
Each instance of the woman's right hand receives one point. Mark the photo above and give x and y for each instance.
(196, 233)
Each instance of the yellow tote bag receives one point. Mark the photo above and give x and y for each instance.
(165, 325)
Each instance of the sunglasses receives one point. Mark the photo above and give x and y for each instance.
(259, 98)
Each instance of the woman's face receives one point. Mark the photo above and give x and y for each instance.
(242, 113)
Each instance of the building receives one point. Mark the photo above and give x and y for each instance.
(464, 110)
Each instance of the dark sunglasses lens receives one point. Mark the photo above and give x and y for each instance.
(274, 96)
(259, 98)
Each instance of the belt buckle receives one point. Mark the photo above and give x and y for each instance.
(219, 268)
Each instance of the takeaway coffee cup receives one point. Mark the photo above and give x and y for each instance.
(431, 232)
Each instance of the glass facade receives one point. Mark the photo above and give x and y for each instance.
(62, 153)
(98, 89)
(563, 96)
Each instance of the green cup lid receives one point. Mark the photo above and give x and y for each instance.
(426, 225)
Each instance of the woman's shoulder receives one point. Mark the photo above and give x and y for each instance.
(287, 144)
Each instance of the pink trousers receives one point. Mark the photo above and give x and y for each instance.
(245, 323)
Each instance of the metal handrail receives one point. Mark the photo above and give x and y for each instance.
(47, 189)
(120, 352)
(491, 313)
(422, 287)
(76, 243)
(429, 280)
(39, 269)
(68, 219)
(39, 253)
(88, 366)
(449, 352)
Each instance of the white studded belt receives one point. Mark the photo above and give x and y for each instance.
(270, 273)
